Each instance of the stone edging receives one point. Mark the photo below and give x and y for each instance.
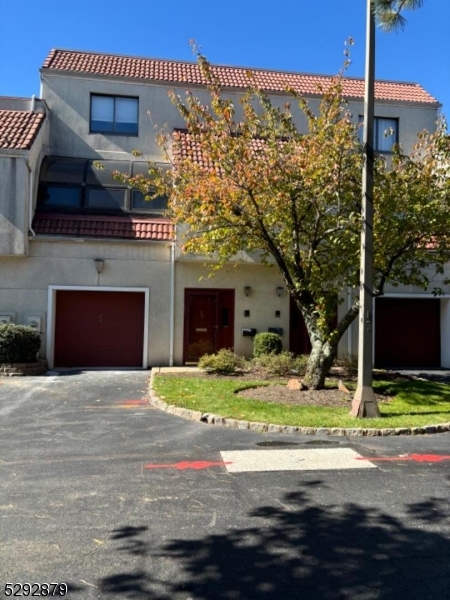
(211, 419)
(23, 369)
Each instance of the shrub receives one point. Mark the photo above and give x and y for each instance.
(225, 362)
(267, 343)
(349, 363)
(283, 364)
(18, 343)
(300, 364)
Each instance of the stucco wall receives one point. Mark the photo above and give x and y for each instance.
(69, 263)
(18, 171)
(68, 98)
(262, 301)
(13, 205)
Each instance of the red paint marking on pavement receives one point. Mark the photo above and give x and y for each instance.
(133, 402)
(432, 458)
(196, 464)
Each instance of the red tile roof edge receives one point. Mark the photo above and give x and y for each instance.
(103, 226)
(174, 71)
(19, 128)
(112, 218)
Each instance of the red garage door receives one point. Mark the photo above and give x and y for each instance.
(407, 333)
(99, 329)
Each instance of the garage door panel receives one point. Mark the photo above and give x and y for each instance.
(407, 333)
(99, 329)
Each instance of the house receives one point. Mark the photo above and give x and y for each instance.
(99, 271)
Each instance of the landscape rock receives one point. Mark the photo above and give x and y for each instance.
(296, 384)
(343, 388)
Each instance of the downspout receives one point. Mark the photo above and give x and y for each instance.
(30, 201)
(31, 190)
(172, 301)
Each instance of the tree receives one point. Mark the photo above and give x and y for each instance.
(250, 181)
(389, 12)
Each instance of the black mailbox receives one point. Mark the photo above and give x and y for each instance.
(277, 330)
(248, 332)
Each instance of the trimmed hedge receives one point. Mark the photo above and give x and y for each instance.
(18, 343)
(267, 343)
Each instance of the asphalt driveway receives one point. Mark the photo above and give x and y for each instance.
(78, 504)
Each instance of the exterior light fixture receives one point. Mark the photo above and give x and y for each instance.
(99, 264)
(247, 290)
(279, 290)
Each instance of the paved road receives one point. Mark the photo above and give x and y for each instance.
(78, 505)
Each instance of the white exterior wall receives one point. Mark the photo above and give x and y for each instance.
(68, 98)
(14, 193)
(262, 301)
(19, 172)
(25, 282)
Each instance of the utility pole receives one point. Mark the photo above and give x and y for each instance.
(364, 402)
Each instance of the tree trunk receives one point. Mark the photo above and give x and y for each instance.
(323, 349)
(320, 361)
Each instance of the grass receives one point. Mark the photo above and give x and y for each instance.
(412, 403)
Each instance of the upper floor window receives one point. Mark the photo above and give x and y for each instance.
(114, 114)
(385, 133)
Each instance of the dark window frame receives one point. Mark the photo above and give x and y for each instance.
(113, 132)
(375, 136)
(84, 187)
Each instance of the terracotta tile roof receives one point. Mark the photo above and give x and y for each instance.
(19, 128)
(133, 228)
(236, 77)
(186, 145)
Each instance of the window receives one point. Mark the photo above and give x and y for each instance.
(138, 198)
(385, 133)
(75, 185)
(60, 196)
(105, 198)
(140, 203)
(114, 114)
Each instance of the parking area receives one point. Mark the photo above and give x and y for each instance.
(119, 500)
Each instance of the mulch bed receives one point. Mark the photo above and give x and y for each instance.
(280, 394)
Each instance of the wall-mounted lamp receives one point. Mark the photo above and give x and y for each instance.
(279, 290)
(247, 290)
(99, 264)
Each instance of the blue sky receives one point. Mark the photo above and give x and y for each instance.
(295, 35)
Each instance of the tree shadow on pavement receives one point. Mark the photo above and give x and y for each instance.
(295, 549)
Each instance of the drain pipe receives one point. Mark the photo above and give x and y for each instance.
(30, 200)
(172, 302)
(31, 180)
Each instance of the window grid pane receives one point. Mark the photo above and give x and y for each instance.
(102, 113)
(106, 199)
(60, 196)
(110, 114)
(140, 203)
(381, 142)
(385, 134)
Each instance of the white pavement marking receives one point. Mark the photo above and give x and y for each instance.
(313, 459)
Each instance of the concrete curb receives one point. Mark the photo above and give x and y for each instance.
(212, 419)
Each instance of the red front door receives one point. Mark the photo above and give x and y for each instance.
(209, 322)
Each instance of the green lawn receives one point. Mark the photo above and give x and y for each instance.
(412, 403)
